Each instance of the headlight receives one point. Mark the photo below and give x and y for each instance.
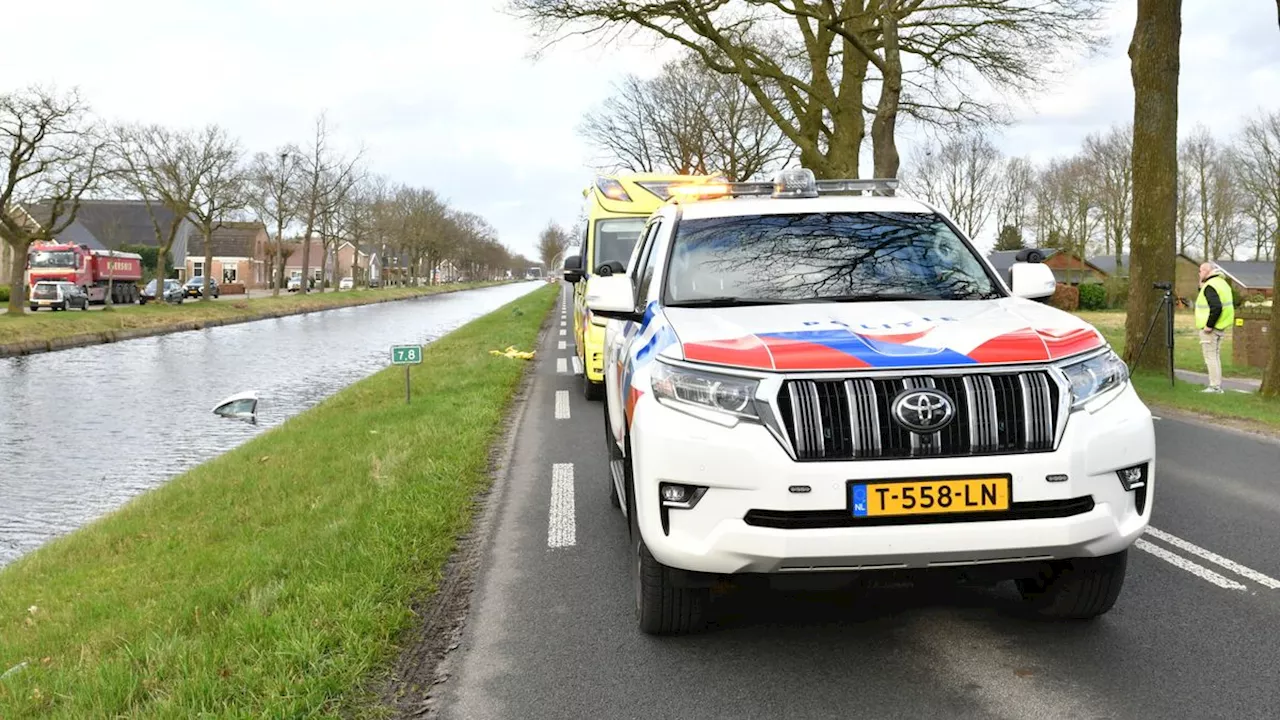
(708, 394)
(1095, 376)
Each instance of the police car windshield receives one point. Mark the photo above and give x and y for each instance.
(825, 257)
(615, 239)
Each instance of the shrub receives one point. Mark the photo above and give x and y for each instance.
(4, 293)
(1092, 297)
(1065, 297)
(1117, 293)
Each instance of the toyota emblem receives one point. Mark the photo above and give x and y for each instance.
(923, 410)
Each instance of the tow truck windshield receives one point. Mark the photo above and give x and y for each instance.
(53, 259)
(823, 257)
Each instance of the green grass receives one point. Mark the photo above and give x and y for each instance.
(1155, 390)
(1186, 346)
(47, 325)
(273, 580)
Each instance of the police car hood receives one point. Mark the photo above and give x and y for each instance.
(899, 334)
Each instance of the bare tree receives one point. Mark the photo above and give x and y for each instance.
(962, 174)
(1017, 195)
(1186, 198)
(1154, 66)
(219, 191)
(324, 179)
(809, 64)
(273, 196)
(1110, 157)
(1217, 200)
(167, 169)
(687, 120)
(52, 157)
(1259, 148)
(1066, 203)
(552, 242)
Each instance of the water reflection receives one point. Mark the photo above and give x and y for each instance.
(84, 430)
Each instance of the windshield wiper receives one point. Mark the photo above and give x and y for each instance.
(881, 297)
(733, 301)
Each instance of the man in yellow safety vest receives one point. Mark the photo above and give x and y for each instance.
(1215, 312)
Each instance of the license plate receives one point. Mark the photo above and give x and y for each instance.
(930, 496)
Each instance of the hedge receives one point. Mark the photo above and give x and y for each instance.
(4, 293)
(1093, 297)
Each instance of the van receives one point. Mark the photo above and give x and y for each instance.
(616, 209)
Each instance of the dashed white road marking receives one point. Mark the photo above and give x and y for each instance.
(562, 331)
(562, 345)
(562, 404)
(1178, 561)
(1248, 573)
(577, 365)
(562, 365)
(561, 525)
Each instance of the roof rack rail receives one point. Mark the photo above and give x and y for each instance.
(795, 183)
(877, 186)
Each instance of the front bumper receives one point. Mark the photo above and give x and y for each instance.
(745, 470)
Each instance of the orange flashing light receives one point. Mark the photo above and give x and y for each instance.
(694, 192)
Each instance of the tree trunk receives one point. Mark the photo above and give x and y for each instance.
(1271, 378)
(1153, 56)
(205, 296)
(17, 277)
(884, 146)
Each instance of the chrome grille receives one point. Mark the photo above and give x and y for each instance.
(850, 419)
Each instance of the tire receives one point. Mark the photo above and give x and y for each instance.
(1078, 589)
(66, 305)
(661, 607)
(84, 306)
(594, 391)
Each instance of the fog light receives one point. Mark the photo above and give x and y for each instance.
(680, 496)
(1134, 477)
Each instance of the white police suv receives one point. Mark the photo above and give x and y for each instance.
(807, 377)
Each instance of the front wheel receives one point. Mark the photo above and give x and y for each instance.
(662, 608)
(592, 390)
(1077, 589)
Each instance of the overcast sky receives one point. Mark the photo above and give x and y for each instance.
(442, 93)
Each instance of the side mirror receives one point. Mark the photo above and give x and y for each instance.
(611, 296)
(1033, 281)
(573, 268)
(241, 407)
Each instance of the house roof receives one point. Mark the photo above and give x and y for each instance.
(1250, 274)
(236, 239)
(105, 224)
(1107, 263)
(1004, 259)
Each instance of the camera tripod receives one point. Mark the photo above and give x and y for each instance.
(1165, 308)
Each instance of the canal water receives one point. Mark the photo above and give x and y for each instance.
(84, 430)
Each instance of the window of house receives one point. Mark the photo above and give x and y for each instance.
(197, 269)
(229, 274)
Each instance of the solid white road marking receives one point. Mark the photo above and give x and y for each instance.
(562, 345)
(1200, 571)
(561, 526)
(1235, 567)
(562, 404)
(577, 365)
(562, 365)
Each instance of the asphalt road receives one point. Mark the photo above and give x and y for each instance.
(93, 308)
(551, 631)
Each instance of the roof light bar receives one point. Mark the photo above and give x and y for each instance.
(792, 183)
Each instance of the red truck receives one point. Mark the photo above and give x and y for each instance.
(93, 270)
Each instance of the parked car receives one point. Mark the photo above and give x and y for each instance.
(346, 283)
(859, 391)
(57, 295)
(195, 287)
(173, 292)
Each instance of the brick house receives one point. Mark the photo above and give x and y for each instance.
(1068, 269)
(239, 255)
(346, 256)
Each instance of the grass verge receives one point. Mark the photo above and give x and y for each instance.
(45, 326)
(273, 580)
(1186, 345)
(1154, 389)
